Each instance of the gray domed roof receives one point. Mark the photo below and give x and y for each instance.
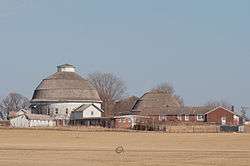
(156, 103)
(65, 85)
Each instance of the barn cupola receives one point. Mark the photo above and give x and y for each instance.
(66, 68)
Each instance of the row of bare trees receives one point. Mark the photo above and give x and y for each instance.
(112, 91)
(169, 89)
(13, 102)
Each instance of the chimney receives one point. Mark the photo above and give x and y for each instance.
(232, 108)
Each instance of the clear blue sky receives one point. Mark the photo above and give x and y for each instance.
(202, 47)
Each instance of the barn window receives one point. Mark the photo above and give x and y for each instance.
(160, 118)
(179, 117)
(67, 110)
(200, 118)
(92, 113)
(186, 117)
(56, 110)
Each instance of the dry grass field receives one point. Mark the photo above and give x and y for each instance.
(50, 148)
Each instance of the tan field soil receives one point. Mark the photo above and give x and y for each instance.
(60, 147)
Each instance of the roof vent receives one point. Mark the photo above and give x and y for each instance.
(66, 68)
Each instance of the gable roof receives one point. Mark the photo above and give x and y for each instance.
(85, 106)
(37, 117)
(222, 108)
(194, 110)
(34, 116)
(22, 111)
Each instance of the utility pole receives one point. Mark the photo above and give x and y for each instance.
(244, 111)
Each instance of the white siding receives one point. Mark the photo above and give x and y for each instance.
(23, 122)
(91, 111)
(70, 106)
(19, 122)
(39, 123)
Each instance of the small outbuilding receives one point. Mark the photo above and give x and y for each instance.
(86, 111)
(31, 120)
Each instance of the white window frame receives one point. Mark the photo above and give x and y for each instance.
(179, 117)
(186, 117)
(162, 118)
(200, 117)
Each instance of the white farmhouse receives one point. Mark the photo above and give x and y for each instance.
(63, 92)
(90, 111)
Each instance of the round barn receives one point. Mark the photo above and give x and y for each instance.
(63, 92)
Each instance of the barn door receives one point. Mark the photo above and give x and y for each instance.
(223, 120)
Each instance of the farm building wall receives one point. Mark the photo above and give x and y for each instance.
(128, 121)
(61, 108)
(123, 123)
(23, 122)
(192, 129)
(42, 123)
(5, 123)
(91, 112)
(216, 116)
(20, 122)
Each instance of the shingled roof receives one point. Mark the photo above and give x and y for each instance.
(156, 103)
(85, 106)
(195, 110)
(124, 106)
(37, 117)
(65, 86)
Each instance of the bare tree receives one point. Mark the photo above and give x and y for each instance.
(169, 89)
(222, 103)
(109, 87)
(124, 106)
(13, 102)
(244, 113)
(180, 100)
(165, 88)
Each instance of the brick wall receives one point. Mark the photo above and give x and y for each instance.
(216, 115)
(123, 123)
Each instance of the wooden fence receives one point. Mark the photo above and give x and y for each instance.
(193, 129)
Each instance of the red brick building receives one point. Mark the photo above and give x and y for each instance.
(128, 121)
(163, 109)
(221, 115)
